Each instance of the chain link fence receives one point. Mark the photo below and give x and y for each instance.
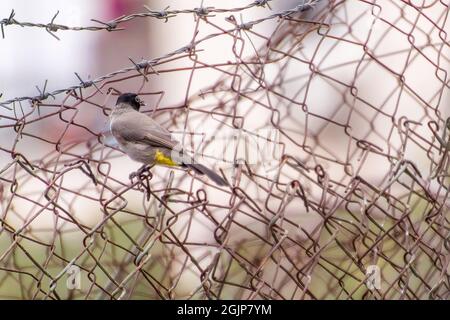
(352, 201)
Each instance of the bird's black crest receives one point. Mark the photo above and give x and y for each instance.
(130, 98)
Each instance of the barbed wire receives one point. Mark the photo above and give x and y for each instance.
(359, 191)
(146, 64)
(166, 14)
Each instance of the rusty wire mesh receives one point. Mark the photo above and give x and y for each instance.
(358, 92)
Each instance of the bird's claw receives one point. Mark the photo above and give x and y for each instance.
(139, 173)
(133, 175)
(143, 175)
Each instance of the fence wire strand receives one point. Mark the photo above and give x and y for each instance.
(363, 179)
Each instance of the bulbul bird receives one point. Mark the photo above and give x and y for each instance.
(145, 141)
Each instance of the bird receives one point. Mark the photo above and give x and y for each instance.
(147, 142)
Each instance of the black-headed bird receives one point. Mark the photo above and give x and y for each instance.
(147, 142)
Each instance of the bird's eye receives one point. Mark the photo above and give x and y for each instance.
(137, 99)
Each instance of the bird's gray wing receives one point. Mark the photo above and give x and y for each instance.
(139, 128)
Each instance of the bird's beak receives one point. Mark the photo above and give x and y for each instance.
(142, 103)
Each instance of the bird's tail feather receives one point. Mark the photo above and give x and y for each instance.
(201, 169)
